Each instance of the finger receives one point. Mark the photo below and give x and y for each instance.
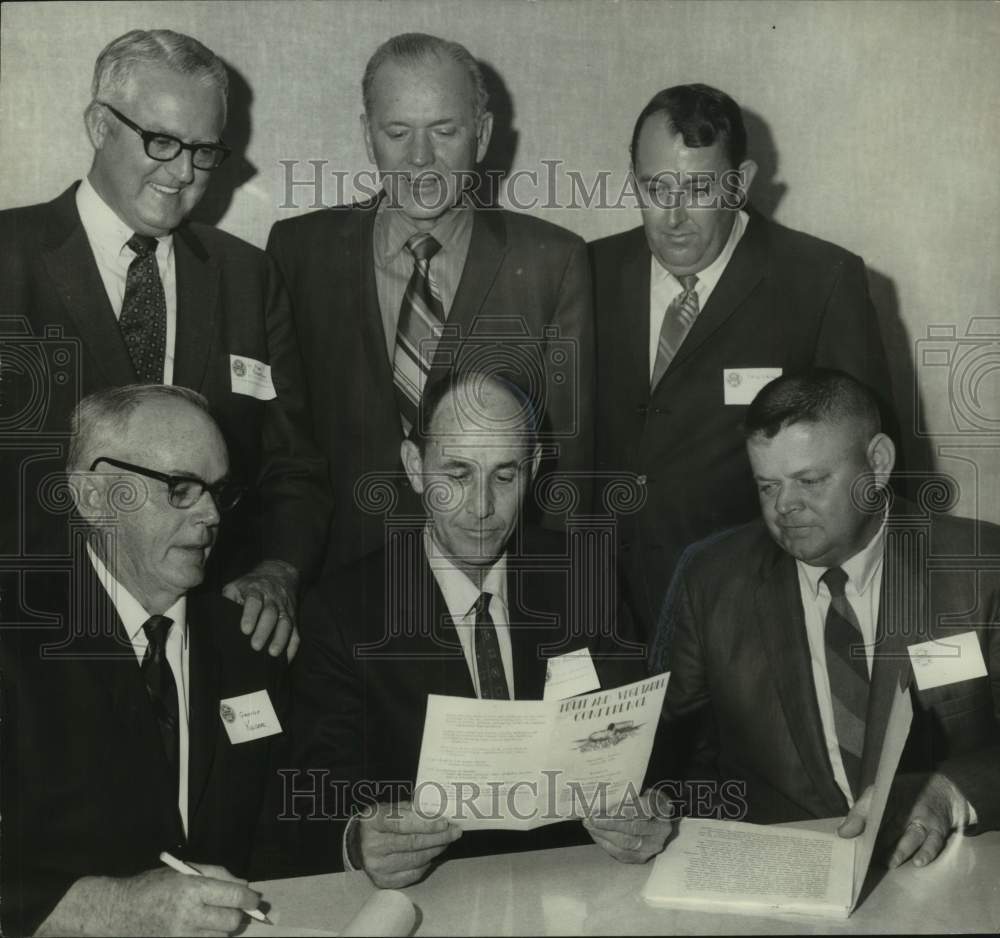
(401, 862)
(932, 846)
(282, 633)
(407, 821)
(216, 920)
(217, 872)
(635, 827)
(252, 604)
(225, 894)
(266, 622)
(293, 645)
(384, 844)
(612, 848)
(396, 880)
(913, 838)
(233, 592)
(854, 823)
(617, 839)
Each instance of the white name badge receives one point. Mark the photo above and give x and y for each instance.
(947, 661)
(570, 674)
(251, 377)
(249, 717)
(740, 385)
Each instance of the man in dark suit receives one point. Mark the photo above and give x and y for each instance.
(787, 637)
(125, 727)
(694, 311)
(108, 285)
(465, 605)
(390, 294)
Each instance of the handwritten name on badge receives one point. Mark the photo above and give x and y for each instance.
(251, 377)
(740, 385)
(947, 661)
(570, 674)
(249, 717)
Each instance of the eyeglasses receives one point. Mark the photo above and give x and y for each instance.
(184, 491)
(164, 148)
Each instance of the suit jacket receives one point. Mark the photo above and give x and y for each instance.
(360, 689)
(85, 788)
(733, 635)
(523, 303)
(64, 342)
(785, 300)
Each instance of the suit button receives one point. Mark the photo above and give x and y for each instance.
(642, 410)
(641, 480)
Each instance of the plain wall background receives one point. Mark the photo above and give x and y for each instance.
(875, 124)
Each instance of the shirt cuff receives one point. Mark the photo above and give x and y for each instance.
(349, 867)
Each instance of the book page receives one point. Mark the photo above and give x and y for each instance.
(719, 864)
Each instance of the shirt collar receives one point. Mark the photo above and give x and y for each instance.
(460, 593)
(394, 228)
(103, 226)
(709, 277)
(860, 568)
(129, 609)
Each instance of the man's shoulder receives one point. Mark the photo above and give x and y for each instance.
(210, 611)
(25, 224)
(535, 231)
(728, 552)
(221, 243)
(795, 247)
(609, 252)
(338, 220)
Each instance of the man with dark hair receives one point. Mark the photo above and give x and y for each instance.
(694, 311)
(465, 604)
(112, 276)
(116, 744)
(787, 637)
(390, 294)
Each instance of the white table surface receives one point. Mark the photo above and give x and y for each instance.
(582, 891)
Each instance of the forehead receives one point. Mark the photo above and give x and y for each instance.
(433, 85)
(660, 150)
(174, 436)
(801, 446)
(160, 98)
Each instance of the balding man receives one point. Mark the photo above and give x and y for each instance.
(787, 637)
(125, 730)
(112, 276)
(468, 605)
(390, 294)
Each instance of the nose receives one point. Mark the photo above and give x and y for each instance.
(676, 215)
(182, 167)
(206, 510)
(787, 500)
(480, 502)
(421, 152)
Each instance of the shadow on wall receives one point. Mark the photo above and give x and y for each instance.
(237, 170)
(499, 157)
(916, 453)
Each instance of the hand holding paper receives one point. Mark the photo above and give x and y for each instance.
(923, 811)
(636, 832)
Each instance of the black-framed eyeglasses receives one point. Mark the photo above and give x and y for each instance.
(183, 491)
(164, 148)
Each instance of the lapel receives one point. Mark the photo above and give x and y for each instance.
(204, 666)
(535, 612)
(451, 671)
(781, 625)
(746, 268)
(632, 315)
(198, 276)
(71, 265)
(487, 248)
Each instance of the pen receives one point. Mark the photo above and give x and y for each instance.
(181, 867)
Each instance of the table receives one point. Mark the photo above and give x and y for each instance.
(582, 891)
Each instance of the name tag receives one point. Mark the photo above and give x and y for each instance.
(251, 377)
(947, 661)
(570, 674)
(249, 717)
(740, 385)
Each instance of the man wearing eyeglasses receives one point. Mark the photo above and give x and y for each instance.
(142, 721)
(113, 267)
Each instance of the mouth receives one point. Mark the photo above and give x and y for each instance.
(165, 190)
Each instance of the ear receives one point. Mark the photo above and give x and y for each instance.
(413, 463)
(88, 493)
(536, 460)
(483, 134)
(748, 170)
(95, 119)
(881, 457)
(367, 132)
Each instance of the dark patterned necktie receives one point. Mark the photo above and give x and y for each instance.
(677, 322)
(489, 664)
(143, 321)
(848, 672)
(421, 316)
(162, 688)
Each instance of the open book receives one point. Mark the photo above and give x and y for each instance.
(731, 866)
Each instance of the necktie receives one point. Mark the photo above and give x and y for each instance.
(143, 321)
(421, 316)
(162, 690)
(489, 664)
(848, 672)
(677, 321)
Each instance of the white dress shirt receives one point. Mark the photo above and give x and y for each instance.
(133, 616)
(862, 591)
(664, 287)
(461, 595)
(108, 236)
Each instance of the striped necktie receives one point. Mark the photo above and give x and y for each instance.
(677, 321)
(847, 668)
(143, 320)
(421, 317)
(489, 664)
(162, 689)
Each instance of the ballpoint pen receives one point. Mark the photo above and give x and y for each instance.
(181, 867)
